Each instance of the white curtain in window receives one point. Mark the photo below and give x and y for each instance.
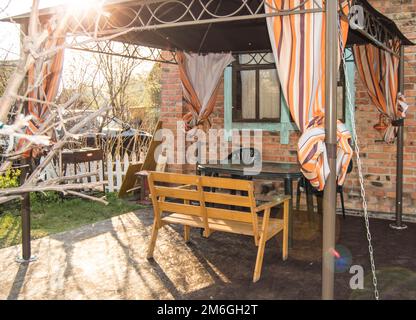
(269, 94)
(248, 94)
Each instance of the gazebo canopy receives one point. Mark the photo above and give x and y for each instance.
(210, 26)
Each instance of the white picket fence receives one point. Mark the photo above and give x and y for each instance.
(115, 169)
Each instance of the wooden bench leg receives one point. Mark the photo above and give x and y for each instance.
(152, 243)
(285, 229)
(259, 260)
(186, 233)
(262, 244)
(186, 229)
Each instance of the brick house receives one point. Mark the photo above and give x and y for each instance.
(280, 136)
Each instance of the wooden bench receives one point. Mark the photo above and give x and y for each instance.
(189, 200)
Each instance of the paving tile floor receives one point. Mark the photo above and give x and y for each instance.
(107, 260)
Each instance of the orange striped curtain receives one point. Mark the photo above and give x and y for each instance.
(200, 77)
(50, 74)
(298, 43)
(379, 72)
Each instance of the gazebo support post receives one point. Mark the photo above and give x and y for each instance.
(329, 201)
(25, 212)
(398, 224)
(25, 216)
(25, 203)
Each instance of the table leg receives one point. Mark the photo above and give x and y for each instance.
(309, 198)
(289, 191)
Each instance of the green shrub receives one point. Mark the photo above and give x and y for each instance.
(10, 179)
(44, 197)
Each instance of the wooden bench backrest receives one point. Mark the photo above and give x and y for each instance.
(200, 199)
(169, 195)
(221, 193)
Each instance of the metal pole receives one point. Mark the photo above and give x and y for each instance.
(398, 224)
(26, 249)
(329, 200)
(25, 215)
(25, 203)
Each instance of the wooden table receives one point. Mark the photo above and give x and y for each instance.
(269, 171)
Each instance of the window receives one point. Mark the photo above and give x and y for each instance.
(256, 89)
(253, 100)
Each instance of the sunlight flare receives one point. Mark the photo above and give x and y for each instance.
(82, 5)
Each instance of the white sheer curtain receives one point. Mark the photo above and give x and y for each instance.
(204, 73)
(269, 94)
(248, 94)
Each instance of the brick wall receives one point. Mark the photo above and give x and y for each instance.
(379, 159)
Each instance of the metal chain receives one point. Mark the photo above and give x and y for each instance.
(359, 166)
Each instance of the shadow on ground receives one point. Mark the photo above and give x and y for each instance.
(107, 260)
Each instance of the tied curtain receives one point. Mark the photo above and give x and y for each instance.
(298, 43)
(48, 73)
(200, 77)
(378, 70)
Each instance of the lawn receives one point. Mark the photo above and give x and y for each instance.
(51, 214)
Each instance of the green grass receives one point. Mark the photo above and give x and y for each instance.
(50, 214)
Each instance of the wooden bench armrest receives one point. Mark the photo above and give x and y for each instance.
(275, 202)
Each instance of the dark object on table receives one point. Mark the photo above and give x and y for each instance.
(304, 184)
(245, 156)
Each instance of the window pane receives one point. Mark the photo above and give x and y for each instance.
(248, 94)
(269, 94)
(268, 58)
(245, 59)
(256, 58)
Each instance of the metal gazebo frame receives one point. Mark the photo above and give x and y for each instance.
(158, 25)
